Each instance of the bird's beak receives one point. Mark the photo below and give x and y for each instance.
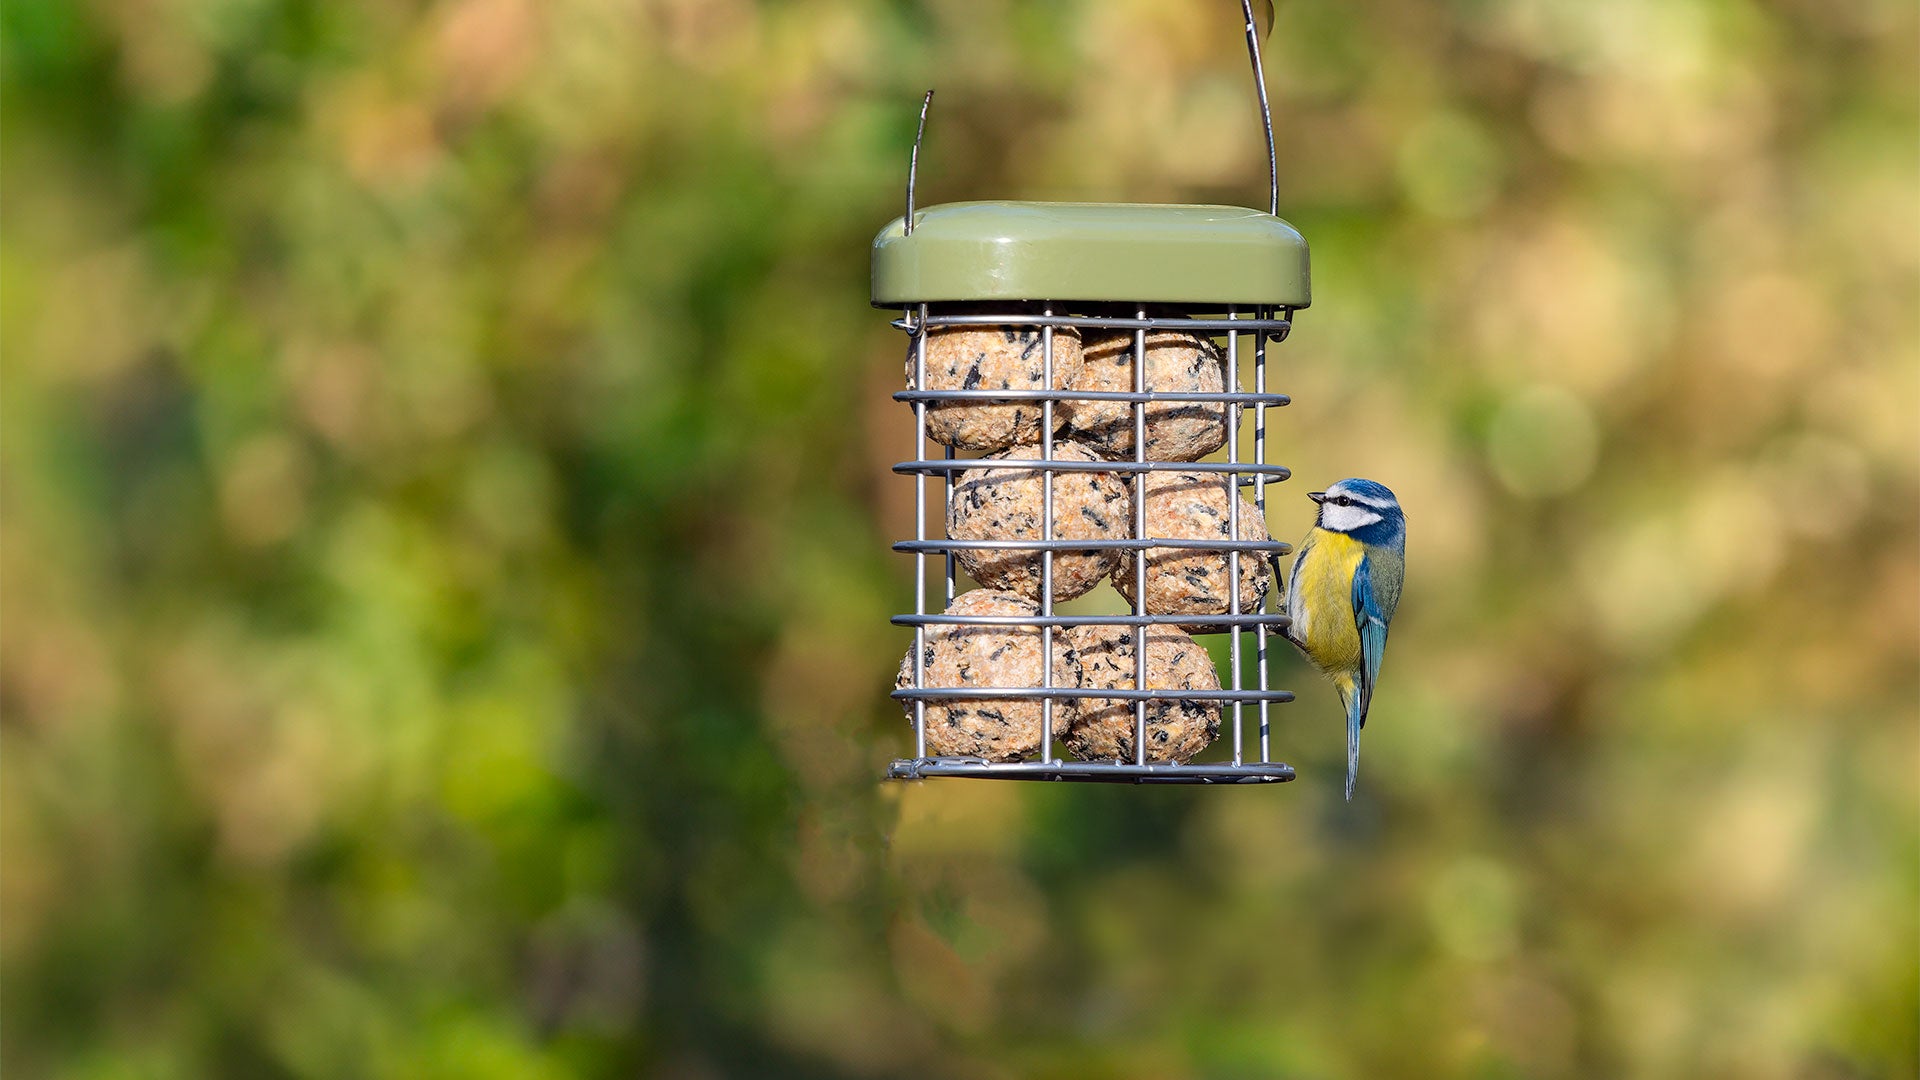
(1317, 496)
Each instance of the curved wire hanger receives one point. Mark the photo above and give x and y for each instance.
(1260, 88)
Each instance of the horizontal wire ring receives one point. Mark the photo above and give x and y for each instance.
(1242, 621)
(1060, 693)
(936, 466)
(1275, 328)
(914, 547)
(1151, 396)
(1119, 772)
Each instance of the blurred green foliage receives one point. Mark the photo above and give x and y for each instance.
(445, 512)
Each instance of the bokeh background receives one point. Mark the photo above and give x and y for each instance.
(444, 516)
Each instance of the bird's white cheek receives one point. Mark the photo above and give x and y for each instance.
(1347, 518)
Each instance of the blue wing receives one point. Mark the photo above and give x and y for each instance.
(1372, 624)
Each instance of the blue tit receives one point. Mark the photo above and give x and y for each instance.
(1341, 595)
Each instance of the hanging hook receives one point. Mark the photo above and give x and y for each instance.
(913, 164)
(1260, 87)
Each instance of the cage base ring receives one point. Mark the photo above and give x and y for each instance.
(1108, 772)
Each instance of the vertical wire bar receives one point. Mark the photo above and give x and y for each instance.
(947, 509)
(920, 534)
(1260, 501)
(1046, 536)
(1232, 382)
(1141, 631)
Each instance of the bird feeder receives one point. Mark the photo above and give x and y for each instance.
(1076, 345)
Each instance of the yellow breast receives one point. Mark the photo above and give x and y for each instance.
(1320, 600)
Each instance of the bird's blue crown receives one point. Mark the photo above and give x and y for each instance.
(1367, 490)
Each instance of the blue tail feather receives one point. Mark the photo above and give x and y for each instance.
(1355, 717)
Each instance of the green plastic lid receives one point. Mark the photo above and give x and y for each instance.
(1124, 252)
